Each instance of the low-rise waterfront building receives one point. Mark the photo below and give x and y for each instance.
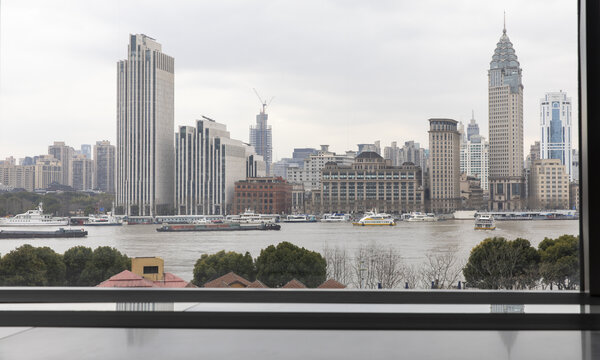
(370, 182)
(549, 185)
(263, 195)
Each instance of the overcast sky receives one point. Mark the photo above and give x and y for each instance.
(342, 72)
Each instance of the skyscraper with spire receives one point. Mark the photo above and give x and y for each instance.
(472, 128)
(505, 104)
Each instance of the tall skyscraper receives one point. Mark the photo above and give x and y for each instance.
(444, 160)
(474, 159)
(505, 104)
(82, 172)
(104, 166)
(64, 154)
(473, 127)
(207, 165)
(555, 127)
(261, 137)
(145, 127)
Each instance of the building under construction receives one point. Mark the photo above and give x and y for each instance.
(261, 136)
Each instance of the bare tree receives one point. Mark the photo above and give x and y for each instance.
(442, 268)
(338, 264)
(374, 267)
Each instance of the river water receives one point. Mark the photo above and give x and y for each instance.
(412, 240)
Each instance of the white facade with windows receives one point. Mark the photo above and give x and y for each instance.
(310, 174)
(555, 129)
(474, 159)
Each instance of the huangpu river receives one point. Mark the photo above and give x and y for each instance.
(413, 241)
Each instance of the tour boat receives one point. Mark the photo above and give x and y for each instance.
(485, 222)
(329, 218)
(372, 218)
(421, 217)
(300, 218)
(103, 220)
(34, 218)
(249, 217)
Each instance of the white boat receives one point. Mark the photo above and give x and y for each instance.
(421, 217)
(103, 220)
(249, 217)
(300, 218)
(372, 218)
(330, 218)
(464, 214)
(485, 222)
(34, 218)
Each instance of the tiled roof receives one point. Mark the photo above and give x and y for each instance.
(126, 279)
(257, 284)
(226, 281)
(331, 284)
(294, 284)
(171, 281)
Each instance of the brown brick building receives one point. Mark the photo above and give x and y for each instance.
(263, 195)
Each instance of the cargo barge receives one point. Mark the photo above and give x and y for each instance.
(219, 226)
(60, 233)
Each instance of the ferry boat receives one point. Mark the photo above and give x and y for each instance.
(329, 218)
(421, 217)
(464, 215)
(209, 225)
(28, 234)
(103, 220)
(372, 218)
(34, 218)
(485, 222)
(249, 217)
(300, 219)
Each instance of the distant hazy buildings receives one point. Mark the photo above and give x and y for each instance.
(505, 105)
(310, 173)
(86, 150)
(145, 101)
(472, 128)
(474, 158)
(375, 147)
(17, 176)
(279, 168)
(371, 182)
(104, 166)
(575, 165)
(64, 154)
(207, 165)
(261, 138)
(48, 170)
(549, 185)
(555, 128)
(82, 171)
(444, 165)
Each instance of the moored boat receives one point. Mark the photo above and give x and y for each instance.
(300, 219)
(102, 220)
(34, 218)
(60, 233)
(421, 217)
(329, 218)
(372, 218)
(250, 217)
(485, 222)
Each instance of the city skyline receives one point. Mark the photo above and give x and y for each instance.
(325, 97)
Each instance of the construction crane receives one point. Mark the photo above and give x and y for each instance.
(262, 102)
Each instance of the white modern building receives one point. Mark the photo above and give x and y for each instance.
(145, 126)
(555, 129)
(474, 158)
(207, 165)
(505, 105)
(310, 173)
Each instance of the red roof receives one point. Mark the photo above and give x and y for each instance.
(294, 284)
(227, 280)
(257, 284)
(127, 278)
(331, 284)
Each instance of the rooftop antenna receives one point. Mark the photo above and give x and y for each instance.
(262, 102)
(504, 31)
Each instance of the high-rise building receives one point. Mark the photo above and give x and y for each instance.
(474, 159)
(279, 168)
(207, 165)
(48, 170)
(64, 154)
(17, 176)
(310, 173)
(374, 147)
(505, 105)
(575, 165)
(444, 165)
(261, 138)
(86, 150)
(549, 187)
(82, 170)
(104, 166)
(555, 128)
(473, 127)
(145, 101)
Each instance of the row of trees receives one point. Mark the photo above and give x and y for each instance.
(59, 204)
(275, 266)
(78, 266)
